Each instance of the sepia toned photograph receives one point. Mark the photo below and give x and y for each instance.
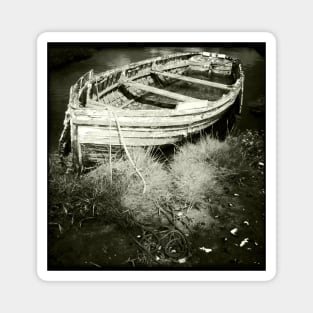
(156, 156)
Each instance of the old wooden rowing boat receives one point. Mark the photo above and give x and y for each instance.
(154, 102)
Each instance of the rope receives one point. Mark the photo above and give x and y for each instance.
(110, 149)
(127, 153)
(96, 84)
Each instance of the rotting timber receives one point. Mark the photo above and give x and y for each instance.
(154, 102)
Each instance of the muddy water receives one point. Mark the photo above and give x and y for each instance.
(61, 79)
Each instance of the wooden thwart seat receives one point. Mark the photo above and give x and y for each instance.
(160, 92)
(193, 80)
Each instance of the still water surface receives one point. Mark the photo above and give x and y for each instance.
(61, 79)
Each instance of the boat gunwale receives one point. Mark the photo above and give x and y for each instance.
(75, 93)
(104, 111)
(147, 121)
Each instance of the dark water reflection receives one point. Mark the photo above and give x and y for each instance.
(61, 79)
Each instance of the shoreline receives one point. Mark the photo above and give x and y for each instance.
(205, 207)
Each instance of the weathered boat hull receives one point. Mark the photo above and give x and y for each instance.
(96, 130)
(92, 128)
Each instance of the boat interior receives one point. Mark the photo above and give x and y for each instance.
(160, 83)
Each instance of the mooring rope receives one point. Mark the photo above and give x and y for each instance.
(96, 84)
(110, 150)
(128, 154)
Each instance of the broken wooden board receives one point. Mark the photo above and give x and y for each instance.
(161, 92)
(193, 80)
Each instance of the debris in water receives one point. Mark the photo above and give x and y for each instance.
(246, 223)
(230, 204)
(173, 251)
(179, 213)
(182, 260)
(157, 258)
(216, 216)
(261, 163)
(243, 242)
(255, 243)
(236, 194)
(138, 236)
(206, 250)
(234, 231)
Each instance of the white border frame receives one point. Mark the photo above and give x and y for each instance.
(157, 275)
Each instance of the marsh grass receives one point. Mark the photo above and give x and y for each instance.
(194, 180)
(130, 185)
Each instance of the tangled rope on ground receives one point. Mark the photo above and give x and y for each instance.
(165, 244)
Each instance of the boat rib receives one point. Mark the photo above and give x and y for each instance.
(193, 80)
(161, 92)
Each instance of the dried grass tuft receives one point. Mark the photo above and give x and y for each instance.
(195, 176)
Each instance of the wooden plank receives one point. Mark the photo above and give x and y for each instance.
(75, 147)
(144, 131)
(102, 113)
(87, 113)
(151, 122)
(91, 133)
(160, 92)
(194, 80)
(96, 136)
(116, 141)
